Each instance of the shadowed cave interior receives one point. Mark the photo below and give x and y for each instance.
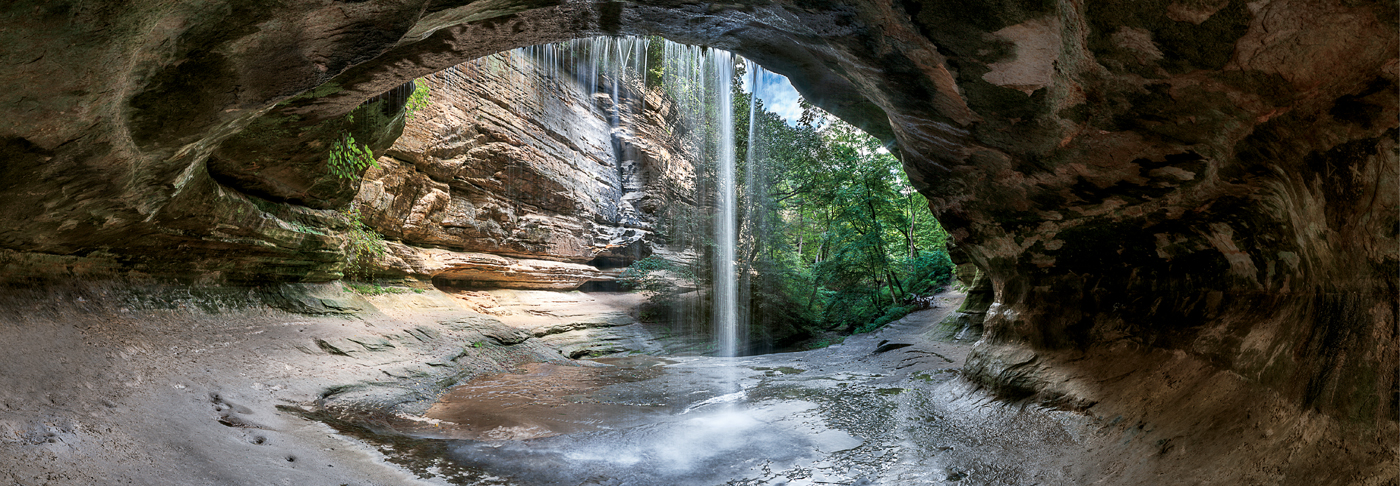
(1177, 221)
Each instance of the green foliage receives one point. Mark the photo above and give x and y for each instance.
(421, 97)
(832, 236)
(656, 69)
(657, 278)
(363, 246)
(845, 239)
(300, 227)
(825, 342)
(373, 289)
(892, 313)
(929, 270)
(349, 159)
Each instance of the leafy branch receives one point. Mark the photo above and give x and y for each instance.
(349, 159)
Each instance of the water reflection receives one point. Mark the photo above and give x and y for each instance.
(546, 400)
(640, 421)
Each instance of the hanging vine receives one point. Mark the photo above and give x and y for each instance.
(363, 247)
(349, 159)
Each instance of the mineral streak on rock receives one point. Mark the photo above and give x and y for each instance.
(517, 160)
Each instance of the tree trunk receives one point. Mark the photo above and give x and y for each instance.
(913, 250)
(801, 221)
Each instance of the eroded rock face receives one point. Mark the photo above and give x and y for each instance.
(513, 161)
(466, 269)
(1181, 205)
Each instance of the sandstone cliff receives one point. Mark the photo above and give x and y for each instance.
(522, 161)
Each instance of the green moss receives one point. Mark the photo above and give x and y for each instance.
(936, 376)
(372, 289)
(822, 343)
(265, 130)
(786, 370)
(300, 227)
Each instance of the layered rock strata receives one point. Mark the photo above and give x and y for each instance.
(521, 161)
(467, 269)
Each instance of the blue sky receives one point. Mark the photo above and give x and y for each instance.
(777, 94)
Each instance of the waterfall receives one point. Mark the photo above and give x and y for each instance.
(700, 81)
(755, 187)
(726, 238)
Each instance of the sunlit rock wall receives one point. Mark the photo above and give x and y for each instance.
(519, 160)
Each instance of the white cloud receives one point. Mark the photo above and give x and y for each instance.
(778, 96)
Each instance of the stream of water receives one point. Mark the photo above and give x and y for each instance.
(884, 408)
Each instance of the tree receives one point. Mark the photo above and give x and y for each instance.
(831, 234)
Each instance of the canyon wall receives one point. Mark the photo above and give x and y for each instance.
(536, 166)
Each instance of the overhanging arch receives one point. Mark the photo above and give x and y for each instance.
(1200, 125)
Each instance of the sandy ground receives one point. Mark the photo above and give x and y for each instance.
(113, 385)
(154, 385)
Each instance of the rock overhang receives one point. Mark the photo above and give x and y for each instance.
(1086, 155)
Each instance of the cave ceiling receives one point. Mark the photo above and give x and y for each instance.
(1151, 169)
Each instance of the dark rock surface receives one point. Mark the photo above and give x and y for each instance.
(1186, 209)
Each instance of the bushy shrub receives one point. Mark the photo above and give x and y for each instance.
(653, 276)
(363, 246)
(929, 271)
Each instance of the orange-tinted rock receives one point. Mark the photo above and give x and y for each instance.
(512, 161)
(465, 269)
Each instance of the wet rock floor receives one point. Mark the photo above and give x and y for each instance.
(881, 408)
